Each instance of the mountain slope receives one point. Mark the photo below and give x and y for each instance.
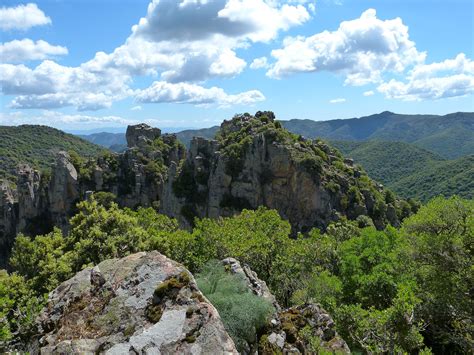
(411, 171)
(440, 134)
(37, 146)
(114, 141)
(444, 178)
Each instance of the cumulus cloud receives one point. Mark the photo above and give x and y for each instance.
(161, 92)
(361, 49)
(51, 85)
(54, 118)
(256, 20)
(22, 17)
(339, 100)
(369, 93)
(259, 63)
(26, 49)
(179, 41)
(450, 78)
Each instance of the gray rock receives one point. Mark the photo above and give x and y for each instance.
(144, 303)
(141, 133)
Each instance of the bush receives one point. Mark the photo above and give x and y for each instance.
(242, 312)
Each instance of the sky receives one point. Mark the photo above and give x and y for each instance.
(176, 64)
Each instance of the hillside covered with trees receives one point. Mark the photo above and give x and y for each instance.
(410, 171)
(37, 146)
(385, 289)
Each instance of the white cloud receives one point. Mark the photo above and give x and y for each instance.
(136, 108)
(26, 49)
(190, 21)
(259, 63)
(339, 100)
(177, 41)
(369, 93)
(22, 17)
(51, 85)
(450, 78)
(55, 118)
(361, 49)
(161, 92)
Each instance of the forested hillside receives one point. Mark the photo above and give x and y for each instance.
(450, 135)
(37, 146)
(410, 171)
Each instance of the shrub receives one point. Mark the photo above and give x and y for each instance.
(242, 312)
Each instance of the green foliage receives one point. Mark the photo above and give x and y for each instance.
(390, 291)
(441, 237)
(411, 171)
(19, 306)
(42, 260)
(37, 146)
(242, 312)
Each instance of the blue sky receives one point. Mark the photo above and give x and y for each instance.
(84, 64)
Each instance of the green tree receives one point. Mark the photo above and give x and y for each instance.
(441, 237)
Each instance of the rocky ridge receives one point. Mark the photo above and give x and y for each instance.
(252, 162)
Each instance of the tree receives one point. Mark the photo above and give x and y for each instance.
(441, 237)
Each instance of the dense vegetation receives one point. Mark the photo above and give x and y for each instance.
(390, 291)
(37, 146)
(410, 171)
(450, 136)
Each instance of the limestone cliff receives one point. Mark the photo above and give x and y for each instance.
(253, 161)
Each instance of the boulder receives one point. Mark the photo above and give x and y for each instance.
(144, 303)
(294, 330)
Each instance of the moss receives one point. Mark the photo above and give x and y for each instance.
(129, 330)
(191, 338)
(198, 296)
(267, 348)
(291, 322)
(153, 312)
(171, 286)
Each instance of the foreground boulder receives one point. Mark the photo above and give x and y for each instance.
(144, 304)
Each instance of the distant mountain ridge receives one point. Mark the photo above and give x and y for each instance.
(450, 136)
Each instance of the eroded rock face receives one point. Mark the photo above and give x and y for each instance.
(8, 220)
(63, 191)
(137, 135)
(144, 303)
(303, 180)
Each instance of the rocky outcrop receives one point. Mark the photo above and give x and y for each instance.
(306, 329)
(141, 134)
(8, 221)
(257, 286)
(63, 192)
(293, 330)
(255, 163)
(144, 304)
